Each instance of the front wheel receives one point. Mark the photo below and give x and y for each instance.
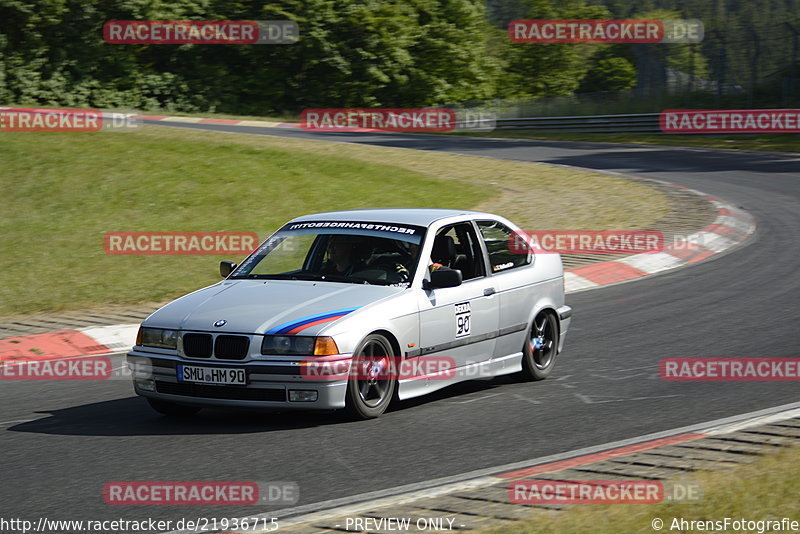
(372, 378)
(171, 409)
(541, 345)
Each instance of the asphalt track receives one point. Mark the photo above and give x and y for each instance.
(62, 441)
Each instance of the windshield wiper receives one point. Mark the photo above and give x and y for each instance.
(314, 277)
(335, 278)
(354, 280)
(279, 276)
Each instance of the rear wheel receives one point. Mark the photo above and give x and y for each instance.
(541, 345)
(171, 409)
(372, 378)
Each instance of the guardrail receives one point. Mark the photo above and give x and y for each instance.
(641, 122)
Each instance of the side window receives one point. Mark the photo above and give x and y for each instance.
(457, 247)
(502, 255)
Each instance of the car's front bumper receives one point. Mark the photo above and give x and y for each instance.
(268, 384)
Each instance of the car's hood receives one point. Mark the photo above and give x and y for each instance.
(261, 306)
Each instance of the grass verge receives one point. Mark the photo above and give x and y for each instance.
(764, 490)
(64, 191)
(760, 142)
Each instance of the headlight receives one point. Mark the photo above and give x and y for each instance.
(295, 345)
(157, 337)
(299, 345)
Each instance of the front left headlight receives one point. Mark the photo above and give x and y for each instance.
(159, 338)
(298, 346)
(288, 345)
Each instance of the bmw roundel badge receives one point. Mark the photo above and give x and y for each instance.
(221, 322)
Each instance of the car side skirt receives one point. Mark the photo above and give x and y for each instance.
(486, 370)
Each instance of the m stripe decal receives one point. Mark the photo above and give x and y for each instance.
(298, 325)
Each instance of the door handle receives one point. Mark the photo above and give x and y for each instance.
(488, 291)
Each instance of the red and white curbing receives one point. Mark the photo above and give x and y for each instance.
(69, 343)
(731, 227)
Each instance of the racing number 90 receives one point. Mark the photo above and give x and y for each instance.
(463, 325)
(462, 319)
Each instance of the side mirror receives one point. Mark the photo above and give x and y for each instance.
(226, 268)
(445, 278)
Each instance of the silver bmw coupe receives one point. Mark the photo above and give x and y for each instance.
(352, 309)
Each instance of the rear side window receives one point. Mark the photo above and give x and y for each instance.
(498, 238)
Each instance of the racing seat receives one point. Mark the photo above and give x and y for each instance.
(444, 250)
(462, 263)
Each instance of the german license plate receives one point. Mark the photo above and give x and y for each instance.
(212, 375)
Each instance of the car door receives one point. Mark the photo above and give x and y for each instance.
(511, 278)
(459, 324)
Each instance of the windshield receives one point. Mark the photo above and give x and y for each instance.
(337, 251)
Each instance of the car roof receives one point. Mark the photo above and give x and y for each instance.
(414, 216)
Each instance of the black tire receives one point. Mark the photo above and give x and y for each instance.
(368, 397)
(541, 347)
(171, 409)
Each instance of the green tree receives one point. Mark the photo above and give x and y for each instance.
(351, 53)
(558, 68)
(684, 60)
(609, 74)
